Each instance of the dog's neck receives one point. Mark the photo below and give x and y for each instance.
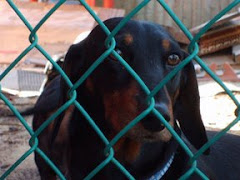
(165, 162)
(158, 175)
(146, 160)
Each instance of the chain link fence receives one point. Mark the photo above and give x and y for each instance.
(110, 44)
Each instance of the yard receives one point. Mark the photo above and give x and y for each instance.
(217, 108)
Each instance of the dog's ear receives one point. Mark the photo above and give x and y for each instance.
(187, 108)
(74, 61)
(73, 67)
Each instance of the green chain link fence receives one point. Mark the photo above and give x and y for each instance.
(110, 44)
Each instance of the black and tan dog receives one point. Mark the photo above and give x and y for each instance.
(113, 98)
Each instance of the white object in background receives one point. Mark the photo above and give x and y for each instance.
(81, 37)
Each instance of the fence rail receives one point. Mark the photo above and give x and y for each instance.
(110, 44)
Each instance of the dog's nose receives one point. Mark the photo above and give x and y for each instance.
(163, 109)
(152, 123)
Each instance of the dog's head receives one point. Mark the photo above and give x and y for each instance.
(152, 53)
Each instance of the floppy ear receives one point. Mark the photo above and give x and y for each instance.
(187, 109)
(73, 67)
(74, 61)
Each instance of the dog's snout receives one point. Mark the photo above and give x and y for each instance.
(152, 122)
(163, 109)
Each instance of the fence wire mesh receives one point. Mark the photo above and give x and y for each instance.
(110, 44)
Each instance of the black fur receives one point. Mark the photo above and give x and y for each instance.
(113, 98)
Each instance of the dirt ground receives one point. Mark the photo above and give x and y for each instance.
(14, 142)
(216, 107)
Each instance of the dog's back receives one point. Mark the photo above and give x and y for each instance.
(224, 159)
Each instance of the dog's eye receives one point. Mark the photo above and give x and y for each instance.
(173, 60)
(112, 57)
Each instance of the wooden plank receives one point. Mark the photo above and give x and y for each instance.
(178, 11)
(221, 38)
(191, 12)
(235, 8)
(169, 20)
(195, 13)
(119, 4)
(165, 16)
(236, 53)
(214, 7)
(187, 5)
(226, 18)
(158, 13)
(205, 15)
(148, 11)
(223, 4)
(139, 15)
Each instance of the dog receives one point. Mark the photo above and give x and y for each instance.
(113, 98)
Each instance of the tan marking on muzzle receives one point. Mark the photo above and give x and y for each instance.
(141, 134)
(127, 149)
(121, 106)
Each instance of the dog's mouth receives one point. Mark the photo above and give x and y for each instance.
(140, 134)
(149, 138)
(151, 129)
(147, 130)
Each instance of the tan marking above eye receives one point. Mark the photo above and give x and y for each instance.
(128, 39)
(166, 44)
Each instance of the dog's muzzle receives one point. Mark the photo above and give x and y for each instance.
(152, 123)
